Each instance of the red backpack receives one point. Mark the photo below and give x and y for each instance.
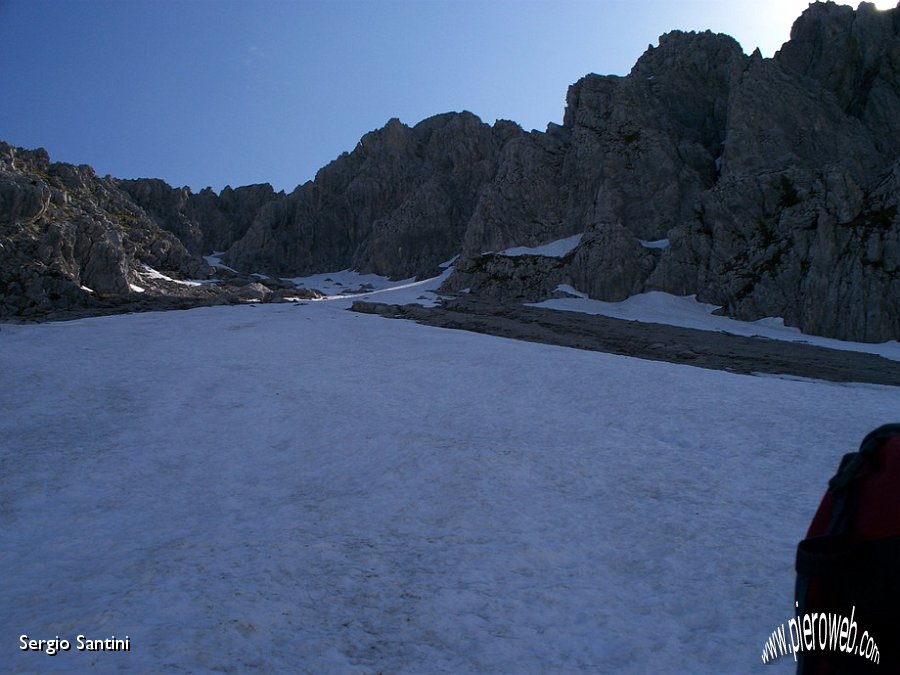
(848, 567)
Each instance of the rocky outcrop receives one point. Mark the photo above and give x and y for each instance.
(625, 261)
(526, 278)
(69, 238)
(166, 207)
(635, 150)
(774, 183)
(398, 205)
(530, 277)
(855, 56)
(772, 179)
(800, 223)
(203, 222)
(22, 199)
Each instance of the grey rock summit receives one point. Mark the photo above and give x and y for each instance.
(206, 221)
(69, 238)
(773, 180)
(398, 205)
(801, 221)
(72, 243)
(766, 186)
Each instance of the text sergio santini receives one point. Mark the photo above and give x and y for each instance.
(82, 644)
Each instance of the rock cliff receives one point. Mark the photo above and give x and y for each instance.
(398, 205)
(206, 221)
(801, 222)
(69, 238)
(772, 180)
(766, 186)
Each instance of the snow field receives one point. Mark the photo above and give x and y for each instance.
(301, 488)
(554, 249)
(687, 312)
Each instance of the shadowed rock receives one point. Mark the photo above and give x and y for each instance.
(774, 182)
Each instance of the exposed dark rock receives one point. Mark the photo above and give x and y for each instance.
(798, 223)
(204, 222)
(69, 239)
(656, 342)
(854, 55)
(772, 179)
(22, 199)
(608, 264)
(775, 182)
(398, 205)
(526, 278)
(254, 292)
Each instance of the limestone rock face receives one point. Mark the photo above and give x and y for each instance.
(854, 55)
(532, 277)
(22, 199)
(203, 222)
(628, 164)
(69, 238)
(635, 150)
(526, 278)
(773, 182)
(625, 263)
(166, 206)
(398, 205)
(800, 222)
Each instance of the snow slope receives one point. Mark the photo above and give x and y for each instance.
(657, 244)
(345, 282)
(554, 249)
(687, 312)
(298, 488)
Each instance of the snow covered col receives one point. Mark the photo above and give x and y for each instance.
(851, 555)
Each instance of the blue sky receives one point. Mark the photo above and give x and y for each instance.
(212, 93)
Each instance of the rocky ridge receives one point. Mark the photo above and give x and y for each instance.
(204, 222)
(75, 244)
(398, 205)
(68, 237)
(772, 183)
(773, 180)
